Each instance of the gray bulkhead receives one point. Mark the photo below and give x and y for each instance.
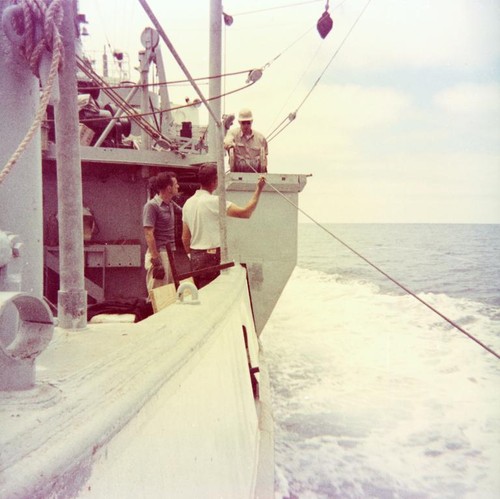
(267, 242)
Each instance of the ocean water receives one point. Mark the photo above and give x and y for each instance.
(374, 395)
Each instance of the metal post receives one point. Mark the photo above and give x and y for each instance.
(21, 191)
(164, 96)
(72, 297)
(215, 138)
(176, 56)
(112, 123)
(215, 53)
(145, 107)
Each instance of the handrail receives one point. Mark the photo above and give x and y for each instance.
(194, 273)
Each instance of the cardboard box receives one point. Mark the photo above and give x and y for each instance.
(86, 135)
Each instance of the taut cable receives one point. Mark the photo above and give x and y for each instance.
(385, 274)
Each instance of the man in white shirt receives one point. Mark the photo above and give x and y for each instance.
(200, 222)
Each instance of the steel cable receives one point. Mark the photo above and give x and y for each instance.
(385, 274)
(277, 130)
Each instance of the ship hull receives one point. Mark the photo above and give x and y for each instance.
(161, 408)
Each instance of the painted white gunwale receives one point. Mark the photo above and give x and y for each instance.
(93, 383)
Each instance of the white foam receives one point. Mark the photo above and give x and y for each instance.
(376, 396)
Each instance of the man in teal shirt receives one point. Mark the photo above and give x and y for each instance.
(159, 230)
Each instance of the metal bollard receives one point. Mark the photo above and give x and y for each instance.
(193, 291)
(34, 332)
(26, 322)
(11, 250)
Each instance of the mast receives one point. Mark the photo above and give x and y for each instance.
(215, 134)
(215, 143)
(72, 297)
(145, 107)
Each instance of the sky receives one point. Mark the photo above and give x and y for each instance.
(398, 109)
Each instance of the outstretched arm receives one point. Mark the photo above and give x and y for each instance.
(247, 210)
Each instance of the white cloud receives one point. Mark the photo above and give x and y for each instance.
(432, 187)
(423, 33)
(332, 109)
(336, 123)
(471, 99)
(359, 107)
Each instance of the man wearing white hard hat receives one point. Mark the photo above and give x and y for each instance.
(247, 148)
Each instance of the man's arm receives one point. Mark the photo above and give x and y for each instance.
(158, 270)
(246, 211)
(186, 238)
(151, 241)
(229, 140)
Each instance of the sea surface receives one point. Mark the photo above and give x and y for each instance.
(374, 395)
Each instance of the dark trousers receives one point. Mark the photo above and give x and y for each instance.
(201, 259)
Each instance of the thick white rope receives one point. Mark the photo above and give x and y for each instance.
(51, 15)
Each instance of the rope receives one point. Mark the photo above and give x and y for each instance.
(135, 114)
(276, 57)
(52, 17)
(169, 83)
(291, 116)
(385, 274)
(277, 131)
(275, 8)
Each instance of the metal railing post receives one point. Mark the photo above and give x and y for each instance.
(72, 297)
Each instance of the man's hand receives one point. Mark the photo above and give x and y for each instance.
(158, 270)
(246, 211)
(261, 183)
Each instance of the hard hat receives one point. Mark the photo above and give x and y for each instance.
(245, 115)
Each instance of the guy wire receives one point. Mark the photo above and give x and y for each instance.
(403, 287)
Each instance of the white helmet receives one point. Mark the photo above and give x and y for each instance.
(245, 115)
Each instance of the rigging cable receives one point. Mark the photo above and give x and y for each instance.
(293, 114)
(161, 83)
(267, 64)
(311, 60)
(276, 8)
(129, 110)
(303, 73)
(299, 38)
(135, 114)
(385, 274)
